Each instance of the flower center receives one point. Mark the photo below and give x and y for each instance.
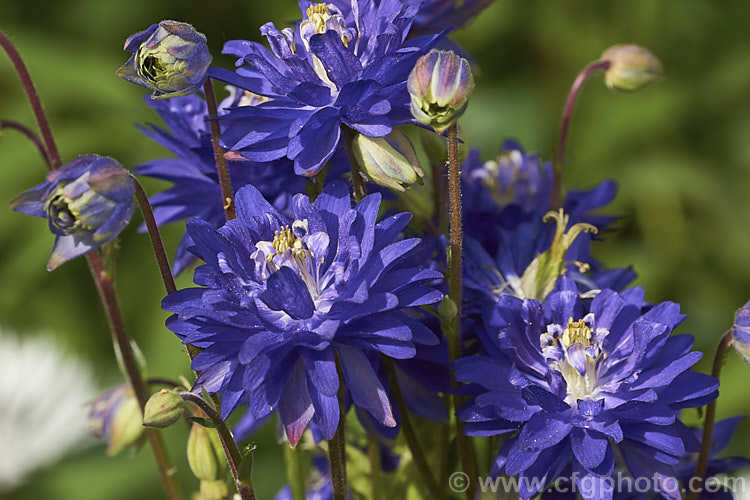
(156, 65)
(294, 247)
(575, 352)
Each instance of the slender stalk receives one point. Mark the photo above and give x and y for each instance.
(411, 437)
(158, 246)
(465, 447)
(337, 446)
(437, 194)
(36, 105)
(221, 163)
(708, 423)
(102, 280)
(373, 452)
(360, 190)
(575, 89)
(153, 233)
(295, 472)
(234, 457)
(105, 287)
(30, 135)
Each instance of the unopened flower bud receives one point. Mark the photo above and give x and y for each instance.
(205, 453)
(741, 332)
(439, 86)
(87, 202)
(389, 161)
(163, 409)
(631, 67)
(116, 417)
(170, 58)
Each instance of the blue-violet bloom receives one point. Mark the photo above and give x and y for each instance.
(87, 203)
(572, 379)
(196, 191)
(345, 64)
(281, 298)
(741, 332)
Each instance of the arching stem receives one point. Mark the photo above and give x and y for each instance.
(30, 135)
(575, 89)
(36, 104)
(708, 423)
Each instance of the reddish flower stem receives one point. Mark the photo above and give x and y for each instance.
(465, 445)
(29, 135)
(36, 105)
(575, 89)
(103, 281)
(221, 163)
(708, 423)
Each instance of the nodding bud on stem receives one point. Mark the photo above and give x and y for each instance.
(163, 409)
(87, 203)
(741, 332)
(116, 417)
(170, 58)
(631, 67)
(389, 161)
(439, 86)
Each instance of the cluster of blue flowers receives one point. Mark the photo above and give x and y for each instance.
(314, 299)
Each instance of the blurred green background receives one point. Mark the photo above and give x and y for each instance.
(679, 149)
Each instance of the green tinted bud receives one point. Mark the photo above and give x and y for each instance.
(170, 58)
(205, 453)
(439, 86)
(631, 67)
(163, 409)
(213, 490)
(389, 161)
(116, 416)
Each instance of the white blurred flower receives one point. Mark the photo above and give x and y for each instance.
(44, 396)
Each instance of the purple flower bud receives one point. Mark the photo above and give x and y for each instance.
(440, 85)
(87, 203)
(741, 332)
(170, 58)
(631, 67)
(116, 417)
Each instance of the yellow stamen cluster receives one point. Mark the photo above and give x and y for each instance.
(576, 332)
(318, 14)
(284, 239)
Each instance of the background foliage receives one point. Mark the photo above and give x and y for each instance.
(679, 150)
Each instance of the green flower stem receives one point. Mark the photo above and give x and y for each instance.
(106, 289)
(360, 190)
(575, 89)
(373, 452)
(295, 471)
(337, 446)
(103, 281)
(708, 423)
(465, 446)
(232, 451)
(30, 135)
(36, 105)
(221, 163)
(411, 437)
